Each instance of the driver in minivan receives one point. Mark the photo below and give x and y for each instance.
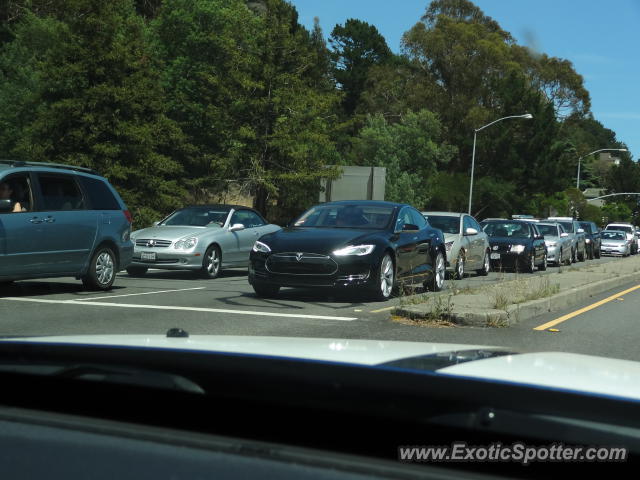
(5, 194)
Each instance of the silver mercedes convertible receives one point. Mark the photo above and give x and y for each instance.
(203, 238)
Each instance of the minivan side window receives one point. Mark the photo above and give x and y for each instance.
(17, 188)
(60, 192)
(100, 196)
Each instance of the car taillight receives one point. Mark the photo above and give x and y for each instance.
(127, 214)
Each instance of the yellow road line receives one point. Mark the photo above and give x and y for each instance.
(381, 310)
(555, 322)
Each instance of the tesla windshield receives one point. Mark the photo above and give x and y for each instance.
(507, 229)
(196, 217)
(347, 216)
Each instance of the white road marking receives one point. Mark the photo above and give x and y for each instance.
(183, 309)
(143, 293)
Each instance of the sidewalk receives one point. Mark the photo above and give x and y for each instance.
(507, 302)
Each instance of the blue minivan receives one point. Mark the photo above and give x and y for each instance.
(60, 220)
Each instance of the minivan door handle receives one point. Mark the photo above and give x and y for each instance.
(35, 220)
(49, 219)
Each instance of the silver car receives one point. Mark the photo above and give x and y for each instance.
(204, 238)
(615, 242)
(557, 241)
(466, 243)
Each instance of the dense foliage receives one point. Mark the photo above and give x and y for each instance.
(177, 101)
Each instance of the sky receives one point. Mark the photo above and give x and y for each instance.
(601, 39)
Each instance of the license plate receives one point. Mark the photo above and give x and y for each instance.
(148, 256)
(495, 256)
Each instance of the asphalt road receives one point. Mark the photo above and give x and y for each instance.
(228, 306)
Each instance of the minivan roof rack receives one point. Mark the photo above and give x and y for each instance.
(22, 163)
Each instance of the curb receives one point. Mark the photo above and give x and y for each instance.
(523, 311)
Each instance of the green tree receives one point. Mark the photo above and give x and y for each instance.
(209, 56)
(289, 142)
(411, 150)
(100, 103)
(357, 46)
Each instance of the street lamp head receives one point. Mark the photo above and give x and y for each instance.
(528, 116)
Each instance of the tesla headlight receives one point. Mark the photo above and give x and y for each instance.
(517, 248)
(358, 250)
(261, 247)
(448, 245)
(186, 243)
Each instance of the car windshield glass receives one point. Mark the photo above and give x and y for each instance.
(568, 226)
(587, 227)
(507, 229)
(448, 224)
(346, 216)
(613, 235)
(548, 230)
(197, 217)
(620, 228)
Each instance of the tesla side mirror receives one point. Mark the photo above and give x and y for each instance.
(564, 234)
(155, 224)
(410, 227)
(6, 205)
(581, 230)
(471, 231)
(236, 227)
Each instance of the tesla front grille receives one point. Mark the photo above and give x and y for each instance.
(299, 263)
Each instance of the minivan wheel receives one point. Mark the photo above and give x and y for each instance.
(137, 271)
(102, 270)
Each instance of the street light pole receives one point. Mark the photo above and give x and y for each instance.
(596, 151)
(473, 155)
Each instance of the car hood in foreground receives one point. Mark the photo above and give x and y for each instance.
(569, 371)
(316, 240)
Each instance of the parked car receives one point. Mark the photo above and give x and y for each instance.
(202, 238)
(369, 245)
(592, 239)
(516, 244)
(577, 236)
(59, 221)
(630, 232)
(615, 242)
(467, 245)
(557, 241)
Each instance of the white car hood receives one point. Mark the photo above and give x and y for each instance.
(568, 371)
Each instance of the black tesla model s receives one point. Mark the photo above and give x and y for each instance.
(370, 245)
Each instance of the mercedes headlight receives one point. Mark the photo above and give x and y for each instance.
(261, 247)
(551, 244)
(358, 250)
(587, 240)
(186, 243)
(517, 248)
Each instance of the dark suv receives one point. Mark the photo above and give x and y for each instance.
(60, 220)
(592, 239)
